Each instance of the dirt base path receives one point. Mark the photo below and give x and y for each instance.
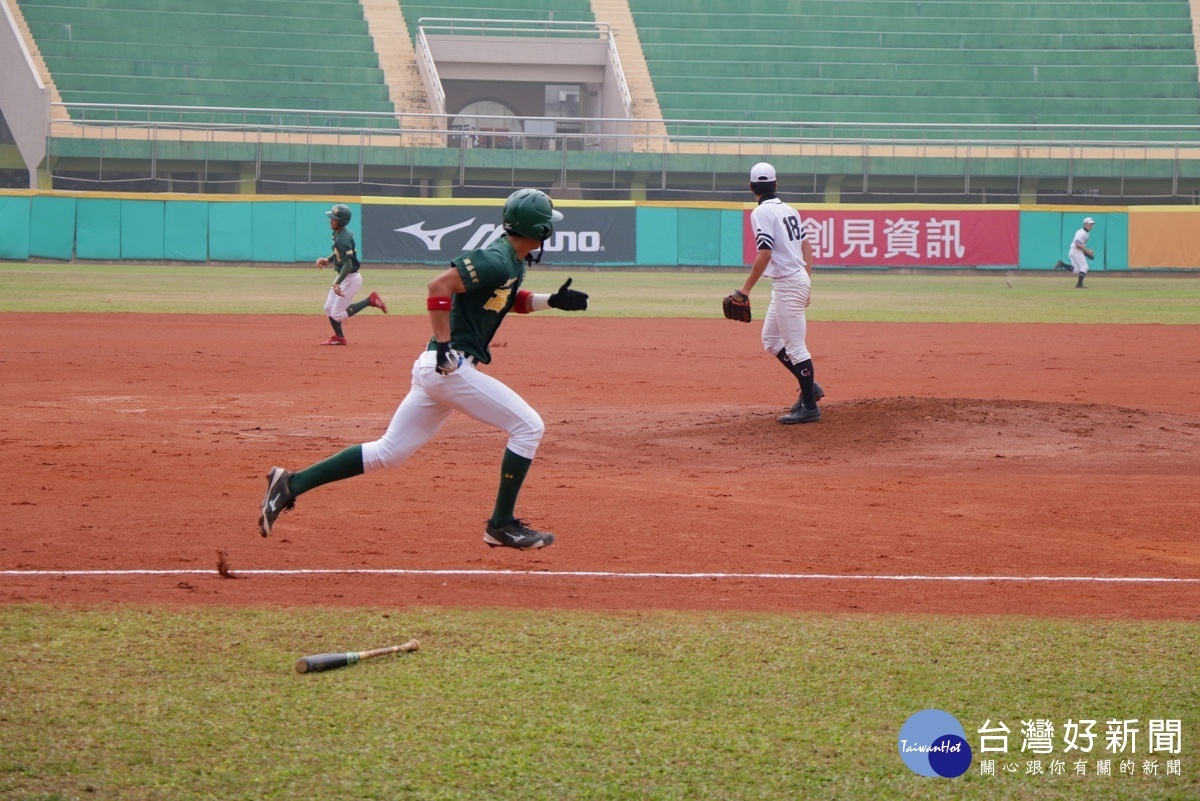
(950, 452)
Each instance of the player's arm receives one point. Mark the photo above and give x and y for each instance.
(807, 252)
(441, 290)
(565, 298)
(756, 270)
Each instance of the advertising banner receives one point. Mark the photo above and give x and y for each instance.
(431, 234)
(907, 237)
(1160, 238)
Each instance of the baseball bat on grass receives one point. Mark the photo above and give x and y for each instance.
(319, 662)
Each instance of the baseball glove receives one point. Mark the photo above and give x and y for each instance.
(736, 306)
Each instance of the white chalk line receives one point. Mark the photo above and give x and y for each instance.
(600, 574)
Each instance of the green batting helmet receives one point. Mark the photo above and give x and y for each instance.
(530, 212)
(340, 213)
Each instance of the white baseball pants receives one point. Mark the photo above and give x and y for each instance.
(434, 396)
(1079, 262)
(785, 325)
(335, 305)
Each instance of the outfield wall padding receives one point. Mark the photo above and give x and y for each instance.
(185, 231)
(142, 230)
(273, 232)
(14, 232)
(52, 227)
(229, 232)
(651, 234)
(1164, 238)
(98, 229)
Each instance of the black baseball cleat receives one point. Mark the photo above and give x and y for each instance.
(515, 534)
(801, 416)
(818, 393)
(278, 499)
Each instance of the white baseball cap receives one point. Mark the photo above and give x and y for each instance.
(1087, 220)
(762, 172)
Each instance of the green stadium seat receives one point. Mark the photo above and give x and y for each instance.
(294, 55)
(500, 11)
(878, 62)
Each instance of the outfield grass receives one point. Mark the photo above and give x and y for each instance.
(146, 703)
(991, 298)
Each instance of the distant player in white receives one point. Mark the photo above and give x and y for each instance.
(1080, 253)
(785, 256)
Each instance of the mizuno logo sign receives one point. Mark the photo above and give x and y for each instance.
(432, 239)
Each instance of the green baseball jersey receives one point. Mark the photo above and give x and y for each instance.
(492, 275)
(344, 257)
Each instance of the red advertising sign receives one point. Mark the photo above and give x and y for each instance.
(907, 237)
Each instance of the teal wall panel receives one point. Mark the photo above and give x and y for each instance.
(229, 233)
(273, 231)
(98, 229)
(1116, 241)
(1072, 221)
(733, 232)
(14, 232)
(699, 237)
(142, 229)
(185, 231)
(657, 240)
(313, 236)
(1041, 232)
(52, 227)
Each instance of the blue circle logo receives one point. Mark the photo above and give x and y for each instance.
(933, 743)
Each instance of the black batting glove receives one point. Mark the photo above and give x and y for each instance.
(569, 299)
(448, 359)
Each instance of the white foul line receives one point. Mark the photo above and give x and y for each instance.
(603, 574)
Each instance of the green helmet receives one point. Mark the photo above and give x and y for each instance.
(340, 213)
(529, 212)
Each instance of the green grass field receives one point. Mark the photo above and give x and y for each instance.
(147, 703)
(992, 298)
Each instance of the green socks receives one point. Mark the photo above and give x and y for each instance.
(347, 464)
(513, 470)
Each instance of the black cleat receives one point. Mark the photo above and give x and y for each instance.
(818, 393)
(278, 499)
(515, 534)
(801, 416)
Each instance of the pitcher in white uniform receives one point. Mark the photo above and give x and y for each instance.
(785, 256)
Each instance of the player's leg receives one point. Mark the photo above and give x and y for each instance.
(490, 401)
(790, 297)
(1079, 267)
(415, 421)
(350, 289)
(331, 302)
(773, 343)
(339, 309)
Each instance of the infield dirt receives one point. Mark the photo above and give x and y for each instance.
(141, 441)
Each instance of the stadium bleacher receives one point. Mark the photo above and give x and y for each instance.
(302, 55)
(498, 10)
(989, 62)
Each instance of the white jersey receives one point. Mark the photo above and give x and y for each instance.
(777, 228)
(1081, 239)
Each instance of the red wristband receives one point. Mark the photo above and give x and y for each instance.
(441, 303)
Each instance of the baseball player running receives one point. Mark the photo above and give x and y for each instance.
(784, 256)
(338, 304)
(467, 303)
(1080, 253)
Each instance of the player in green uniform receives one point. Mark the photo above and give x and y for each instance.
(466, 303)
(339, 303)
